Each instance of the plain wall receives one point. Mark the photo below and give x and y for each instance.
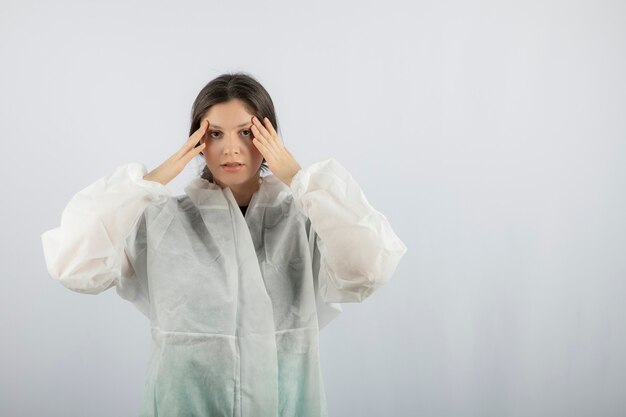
(491, 135)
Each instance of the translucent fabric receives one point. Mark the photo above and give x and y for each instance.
(235, 302)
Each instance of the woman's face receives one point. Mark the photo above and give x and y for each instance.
(229, 139)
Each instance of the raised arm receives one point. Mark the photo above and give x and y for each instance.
(86, 252)
(359, 251)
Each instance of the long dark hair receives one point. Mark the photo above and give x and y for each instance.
(230, 86)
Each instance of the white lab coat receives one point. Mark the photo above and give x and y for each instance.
(235, 303)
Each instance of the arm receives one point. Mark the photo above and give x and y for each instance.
(86, 253)
(357, 247)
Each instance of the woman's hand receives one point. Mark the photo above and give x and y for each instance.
(280, 161)
(175, 164)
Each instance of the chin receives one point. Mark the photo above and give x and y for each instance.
(238, 179)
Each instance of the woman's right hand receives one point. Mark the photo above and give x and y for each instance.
(175, 164)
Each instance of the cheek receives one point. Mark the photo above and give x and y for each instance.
(211, 154)
(256, 154)
(254, 151)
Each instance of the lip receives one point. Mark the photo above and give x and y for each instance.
(232, 169)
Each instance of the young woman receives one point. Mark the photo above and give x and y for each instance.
(238, 275)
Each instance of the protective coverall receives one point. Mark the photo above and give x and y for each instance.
(235, 302)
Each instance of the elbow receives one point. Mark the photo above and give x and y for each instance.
(74, 269)
(370, 269)
(357, 281)
(83, 277)
(343, 291)
(87, 285)
(350, 286)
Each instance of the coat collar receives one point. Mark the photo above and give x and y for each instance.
(205, 194)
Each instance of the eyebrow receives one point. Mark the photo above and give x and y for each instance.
(219, 127)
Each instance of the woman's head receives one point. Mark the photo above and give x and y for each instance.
(229, 102)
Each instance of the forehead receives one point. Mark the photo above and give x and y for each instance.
(227, 115)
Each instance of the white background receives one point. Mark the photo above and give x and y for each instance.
(492, 135)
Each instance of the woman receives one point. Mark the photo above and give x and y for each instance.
(238, 275)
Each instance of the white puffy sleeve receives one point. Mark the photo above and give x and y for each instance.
(357, 249)
(86, 253)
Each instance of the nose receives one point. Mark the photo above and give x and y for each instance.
(232, 144)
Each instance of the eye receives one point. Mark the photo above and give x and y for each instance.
(249, 133)
(214, 131)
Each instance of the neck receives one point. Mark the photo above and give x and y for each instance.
(243, 192)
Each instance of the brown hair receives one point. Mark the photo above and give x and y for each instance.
(224, 88)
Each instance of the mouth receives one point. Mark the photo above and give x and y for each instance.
(232, 167)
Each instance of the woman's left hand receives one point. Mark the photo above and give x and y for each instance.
(279, 160)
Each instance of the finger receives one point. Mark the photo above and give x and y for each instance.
(275, 141)
(257, 133)
(198, 134)
(270, 141)
(201, 130)
(194, 152)
(269, 126)
(199, 148)
(261, 128)
(194, 139)
(261, 145)
(264, 139)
